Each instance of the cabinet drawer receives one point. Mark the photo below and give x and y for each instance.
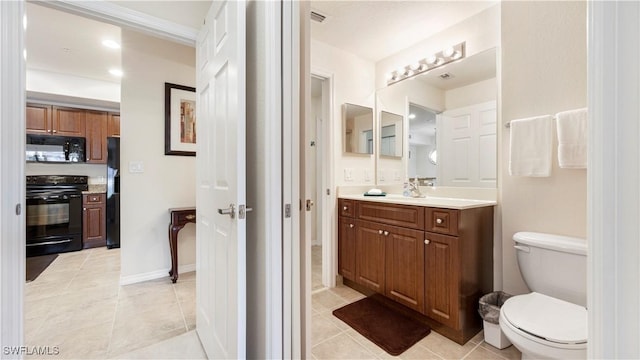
(444, 221)
(347, 207)
(94, 198)
(392, 214)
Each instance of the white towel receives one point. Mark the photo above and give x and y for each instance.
(530, 153)
(572, 138)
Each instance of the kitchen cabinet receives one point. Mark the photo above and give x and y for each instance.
(435, 261)
(96, 135)
(54, 120)
(113, 128)
(94, 220)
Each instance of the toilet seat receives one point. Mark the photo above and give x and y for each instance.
(547, 318)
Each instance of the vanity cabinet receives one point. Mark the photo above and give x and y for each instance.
(435, 261)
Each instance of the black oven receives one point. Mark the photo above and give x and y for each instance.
(54, 214)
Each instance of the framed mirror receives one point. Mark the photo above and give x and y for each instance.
(357, 129)
(391, 134)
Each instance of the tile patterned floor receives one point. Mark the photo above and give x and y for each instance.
(333, 339)
(78, 305)
(316, 267)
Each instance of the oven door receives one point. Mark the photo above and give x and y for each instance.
(54, 223)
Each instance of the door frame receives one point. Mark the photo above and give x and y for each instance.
(326, 185)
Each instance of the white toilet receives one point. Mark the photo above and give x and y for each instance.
(551, 321)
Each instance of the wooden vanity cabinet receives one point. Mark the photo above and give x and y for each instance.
(346, 240)
(435, 261)
(94, 220)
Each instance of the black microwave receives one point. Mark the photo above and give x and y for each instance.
(59, 149)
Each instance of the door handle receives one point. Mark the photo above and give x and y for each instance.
(243, 210)
(309, 203)
(231, 211)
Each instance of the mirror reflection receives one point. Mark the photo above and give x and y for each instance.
(357, 128)
(451, 124)
(423, 151)
(391, 134)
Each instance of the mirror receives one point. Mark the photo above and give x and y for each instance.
(391, 134)
(451, 122)
(357, 127)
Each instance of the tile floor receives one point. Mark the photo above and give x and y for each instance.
(78, 305)
(316, 267)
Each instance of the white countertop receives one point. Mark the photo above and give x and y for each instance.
(429, 201)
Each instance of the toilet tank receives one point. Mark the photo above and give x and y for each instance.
(553, 265)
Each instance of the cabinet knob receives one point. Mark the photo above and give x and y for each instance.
(380, 232)
(426, 241)
(350, 225)
(84, 209)
(344, 208)
(55, 131)
(386, 233)
(438, 221)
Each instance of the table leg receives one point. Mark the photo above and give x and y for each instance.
(173, 244)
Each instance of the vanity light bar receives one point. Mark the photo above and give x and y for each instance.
(441, 58)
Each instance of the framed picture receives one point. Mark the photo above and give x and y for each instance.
(179, 120)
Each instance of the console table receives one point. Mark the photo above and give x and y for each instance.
(179, 218)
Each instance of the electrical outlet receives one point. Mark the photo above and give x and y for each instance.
(348, 174)
(367, 175)
(381, 176)
(136, 167)
(396, 175)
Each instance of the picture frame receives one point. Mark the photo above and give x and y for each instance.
(179, 120)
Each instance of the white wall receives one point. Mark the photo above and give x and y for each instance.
(354, 82)
(69, 85)
(167, 181)
(480, 92)
(543, 72)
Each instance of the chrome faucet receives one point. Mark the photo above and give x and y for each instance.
(414, 188)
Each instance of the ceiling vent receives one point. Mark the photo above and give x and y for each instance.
(446, 76)
(316, 16)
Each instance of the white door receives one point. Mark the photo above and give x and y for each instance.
(220, 177)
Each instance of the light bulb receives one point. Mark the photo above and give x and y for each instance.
(431, 60)
(415, 66)
(448, 52)
(412, 116)
(456, 55)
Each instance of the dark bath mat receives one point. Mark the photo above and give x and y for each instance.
(386, 327)
(37, 264)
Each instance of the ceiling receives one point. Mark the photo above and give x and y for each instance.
(375, 30)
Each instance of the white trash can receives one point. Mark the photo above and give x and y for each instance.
(489, 309)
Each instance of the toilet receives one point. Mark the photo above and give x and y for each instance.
(551, 321)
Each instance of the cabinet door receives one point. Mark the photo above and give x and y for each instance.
(38, 118)
(347, 248)
(94, 221)
(442, 279)
(370, 261)
(405, 266)
(114, 125)
(96, 130)
(68, 121)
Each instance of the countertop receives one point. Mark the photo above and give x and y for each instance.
(429, 201)
(96, 189)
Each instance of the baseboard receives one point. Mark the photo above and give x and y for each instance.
(153, 275)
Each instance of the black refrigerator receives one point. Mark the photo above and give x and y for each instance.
(113, 192)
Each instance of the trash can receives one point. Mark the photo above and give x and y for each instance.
(489, 309)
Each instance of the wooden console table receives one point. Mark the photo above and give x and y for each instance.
(179, 218)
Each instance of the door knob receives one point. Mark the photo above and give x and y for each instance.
(309, 204)
(231, 211)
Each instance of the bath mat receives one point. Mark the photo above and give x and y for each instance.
(386, 327)
(37, 264)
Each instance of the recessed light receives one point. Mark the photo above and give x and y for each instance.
(412, 116)
(116, 72)
(111, 44)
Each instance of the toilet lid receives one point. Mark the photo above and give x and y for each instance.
(548, 318)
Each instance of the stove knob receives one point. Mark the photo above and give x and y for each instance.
(65, 197)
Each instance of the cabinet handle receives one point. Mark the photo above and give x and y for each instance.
(380, 232)
(438, 221)
(55, 131)
(344, 208)
(386, 233)
(426, 241)
(84, 209)
(350, 225)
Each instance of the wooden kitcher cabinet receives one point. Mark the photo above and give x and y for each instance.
(437, 262)
(94, 220)
(55, 120)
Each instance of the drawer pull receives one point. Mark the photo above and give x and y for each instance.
(380, 232)
(438, 221)
(386, 233)
(351, 225)
(344, 208)
(190, 217)
(426, 241)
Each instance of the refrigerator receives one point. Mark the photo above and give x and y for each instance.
(113, 192)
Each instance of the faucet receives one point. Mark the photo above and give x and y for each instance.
(414, 188)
